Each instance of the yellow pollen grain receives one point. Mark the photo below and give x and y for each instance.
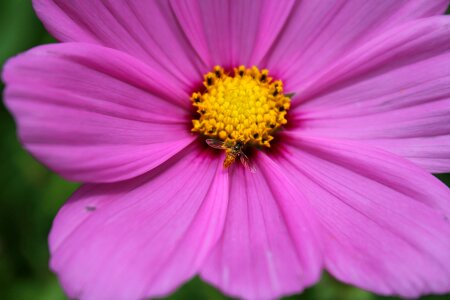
(248, 106)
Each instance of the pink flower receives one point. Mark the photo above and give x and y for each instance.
(345, 187)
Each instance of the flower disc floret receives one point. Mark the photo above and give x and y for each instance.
(247, 107)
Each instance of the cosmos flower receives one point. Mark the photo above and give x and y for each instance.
(342, 108)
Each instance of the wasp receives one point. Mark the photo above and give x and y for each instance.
(232, 153)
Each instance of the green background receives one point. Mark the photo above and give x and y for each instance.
(30, 196)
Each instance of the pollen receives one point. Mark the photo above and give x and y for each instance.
(247, 106)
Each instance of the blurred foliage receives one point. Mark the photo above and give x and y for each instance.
(30, 196)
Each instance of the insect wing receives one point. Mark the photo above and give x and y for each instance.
(246, 162)
(216, 144)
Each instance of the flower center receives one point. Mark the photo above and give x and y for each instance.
(242, 109)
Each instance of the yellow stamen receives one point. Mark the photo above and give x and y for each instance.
(248, 106)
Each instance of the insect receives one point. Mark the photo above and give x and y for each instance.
(90, 208)
(232, 152)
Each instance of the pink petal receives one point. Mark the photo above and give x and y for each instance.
(268, 247)
(393, 93)
(385, 222)
(145, 29)
(320, 32)
(94, 114)
(232, 33)
(144, 237)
